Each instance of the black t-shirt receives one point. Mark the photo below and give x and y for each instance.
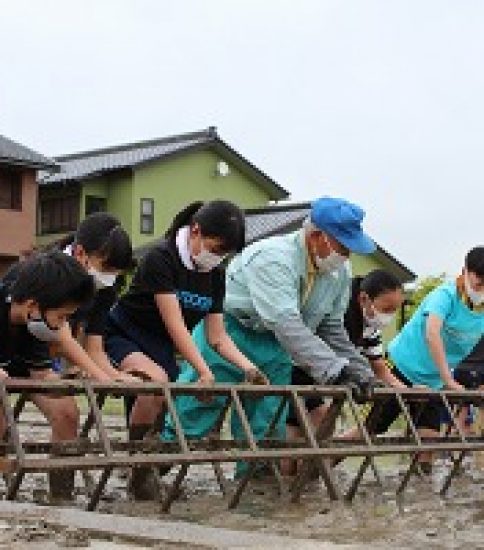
(19, 350)
(93, 315)
(161, 271)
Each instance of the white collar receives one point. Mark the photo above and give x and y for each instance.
(183, 249)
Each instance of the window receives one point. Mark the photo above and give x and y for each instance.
(147, 216)
(95, 204)
(10, 189)
(59, 214)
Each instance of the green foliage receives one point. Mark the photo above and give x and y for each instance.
(422, 288)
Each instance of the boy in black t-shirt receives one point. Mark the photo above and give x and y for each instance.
(103, 248)
(34, 308)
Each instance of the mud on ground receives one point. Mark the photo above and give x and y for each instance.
(376, 517)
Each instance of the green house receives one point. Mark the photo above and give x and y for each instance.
(146, 183)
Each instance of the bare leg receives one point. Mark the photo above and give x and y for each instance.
(61, 412)
(63, 416)
(289, 465)
(146, 407)
(145, 410)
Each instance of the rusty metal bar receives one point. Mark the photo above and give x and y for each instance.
(234, 500)
(369, 460)
(214, 436)
(458, 461)
(320, 444)
(173, 491)
(252, 444)
(417, 439)
(106, 445)
(12, 434)
(90, 420)
(323, 468)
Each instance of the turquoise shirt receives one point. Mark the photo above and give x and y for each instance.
(461, 330)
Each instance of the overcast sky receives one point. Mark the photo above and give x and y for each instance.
(378, 101)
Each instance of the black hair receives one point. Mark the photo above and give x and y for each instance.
(475, 261)
(375, 283)
(52, 279)
(218, 218)
(102, 234)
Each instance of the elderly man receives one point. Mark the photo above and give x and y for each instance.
(285, 301)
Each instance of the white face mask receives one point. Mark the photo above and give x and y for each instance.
(41, 330)
(477, 298)
(101, 279)
(332, 262)
(379, 319)
(206, 260)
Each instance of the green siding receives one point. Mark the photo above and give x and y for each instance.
(119, 194)
(97, 187)
(120, 201)
(182, 179)
(361, 265)
(172, 183)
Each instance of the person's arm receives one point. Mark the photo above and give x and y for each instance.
(384, 373)
(172, 317)
(70, 348)
(221, 342)
(332, 331)
(94, 348)
(436, 347)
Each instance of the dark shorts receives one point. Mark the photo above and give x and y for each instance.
(122, 338)
(382, 415)
(470, 375)
(301, 378)
(425, 414)
(21, 369)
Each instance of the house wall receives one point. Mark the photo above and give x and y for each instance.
(46, 192)
(175, 182)
(17, 232)
(172, 183)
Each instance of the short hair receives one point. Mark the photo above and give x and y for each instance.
(52, 279)
(378, 282)
(101, 234)
(474, 261)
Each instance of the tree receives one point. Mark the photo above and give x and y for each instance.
(422, 288)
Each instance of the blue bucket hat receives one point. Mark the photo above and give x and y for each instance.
(342, 220)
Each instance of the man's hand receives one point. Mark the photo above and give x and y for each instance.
(363, 391)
